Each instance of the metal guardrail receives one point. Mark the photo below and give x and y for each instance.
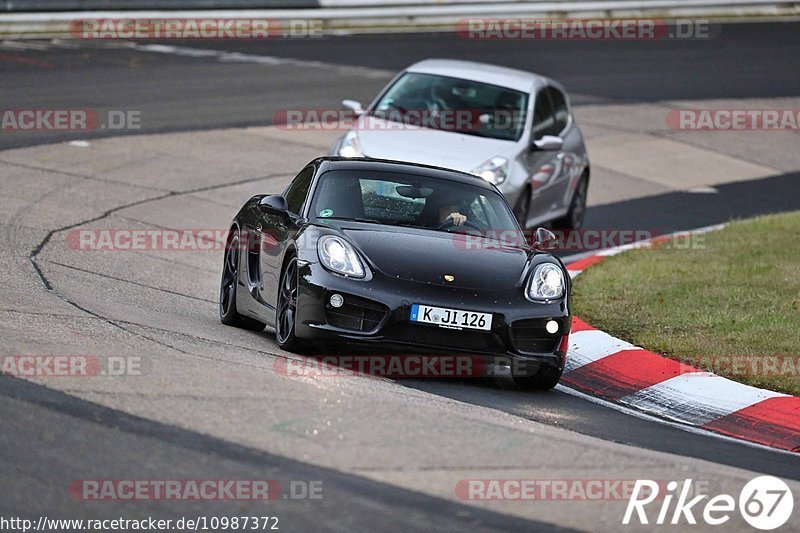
(19, 6)
(22, 6)
(384, 15)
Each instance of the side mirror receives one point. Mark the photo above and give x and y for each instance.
(545, 239)
(354, 106)
(274, 203)
(548, 143)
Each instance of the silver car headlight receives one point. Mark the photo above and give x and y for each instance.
(494, 170)
(546, 283)
(350, 147)
(338, 255)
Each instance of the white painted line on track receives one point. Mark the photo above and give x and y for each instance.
(239, 57)
(23, 45)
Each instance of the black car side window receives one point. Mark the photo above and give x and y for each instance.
(297, 191)
(543, 116)
(560, 110)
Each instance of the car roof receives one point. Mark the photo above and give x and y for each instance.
(519, 80)
(399, 167)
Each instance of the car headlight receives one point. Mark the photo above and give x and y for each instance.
(350, 146)
(547, 282)
(494, 170)
(338, 256)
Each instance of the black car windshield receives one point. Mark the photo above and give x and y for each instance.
(452, 104)
(414, 201)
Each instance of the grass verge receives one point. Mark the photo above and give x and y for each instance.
(729, 304)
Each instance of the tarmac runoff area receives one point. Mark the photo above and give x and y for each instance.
(202, 377)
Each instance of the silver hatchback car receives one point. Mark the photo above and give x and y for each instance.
(513, 128)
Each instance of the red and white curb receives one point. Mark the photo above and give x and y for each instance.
(622, 373)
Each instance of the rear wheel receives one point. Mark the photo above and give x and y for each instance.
(545, 378)
(577, 209)
(228, 314)
(286, 313)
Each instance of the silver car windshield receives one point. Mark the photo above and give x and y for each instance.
(452, 104)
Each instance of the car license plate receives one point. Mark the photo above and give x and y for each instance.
(450, 318)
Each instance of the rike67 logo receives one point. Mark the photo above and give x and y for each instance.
(765, 503)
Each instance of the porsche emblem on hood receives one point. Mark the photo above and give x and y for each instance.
(449, 277)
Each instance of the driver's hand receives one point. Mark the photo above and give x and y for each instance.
(457, 218)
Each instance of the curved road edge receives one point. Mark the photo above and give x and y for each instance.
(622, 373)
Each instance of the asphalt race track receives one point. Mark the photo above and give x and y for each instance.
(209, 403)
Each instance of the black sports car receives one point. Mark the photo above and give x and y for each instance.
(372, 253)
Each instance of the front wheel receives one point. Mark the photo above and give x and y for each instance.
(286, 313)
(545, 378)
(577, 208)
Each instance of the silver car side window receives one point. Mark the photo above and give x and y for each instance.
(560, 110)
(544, 122)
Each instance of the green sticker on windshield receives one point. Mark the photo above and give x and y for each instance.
(326, 213)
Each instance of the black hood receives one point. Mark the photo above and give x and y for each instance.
(426, 257)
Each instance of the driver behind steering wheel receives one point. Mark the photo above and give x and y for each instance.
(451, 212)
(450, 208)
(446, 207)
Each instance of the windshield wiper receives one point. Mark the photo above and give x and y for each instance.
(355, 219)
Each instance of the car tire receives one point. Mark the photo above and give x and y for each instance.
(577, 210)
(545, 378)
(522, 207)
(286, 309)
(228, 313)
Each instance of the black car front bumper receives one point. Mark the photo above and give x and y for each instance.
(376, 311)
